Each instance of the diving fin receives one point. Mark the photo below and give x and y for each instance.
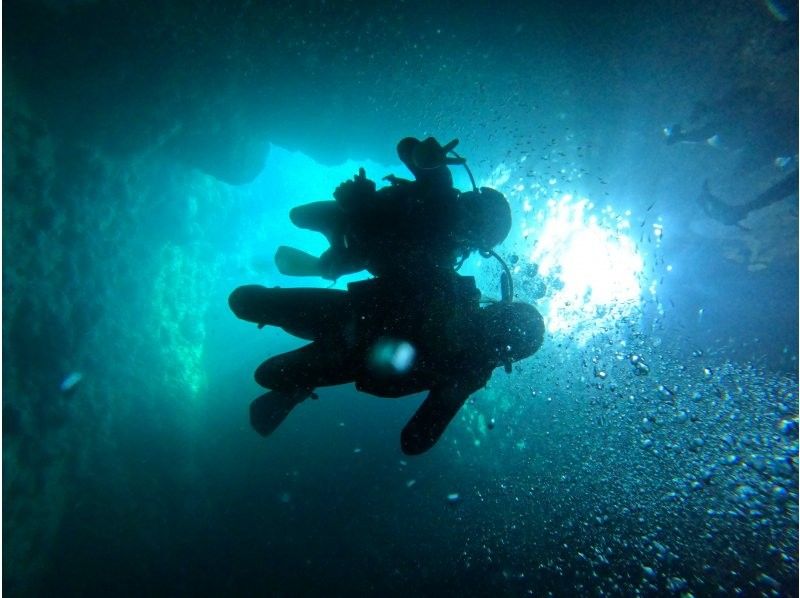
(293, 262)
(269, 410)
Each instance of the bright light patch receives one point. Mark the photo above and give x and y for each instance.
(392, 356)
(594, 267)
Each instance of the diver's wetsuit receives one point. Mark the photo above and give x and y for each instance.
(407, 222)
(409, 225)
(441, 321)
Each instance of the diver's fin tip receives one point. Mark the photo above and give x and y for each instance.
(294, 262)
(268, 411)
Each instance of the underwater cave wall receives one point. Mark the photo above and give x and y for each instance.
(106, 274)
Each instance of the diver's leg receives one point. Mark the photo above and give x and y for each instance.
(292, 377)
(430, 420)
(326, 217)
(333, 263)
(336, 262)
(308, 367)
(784, 188)
(307, 313)
(296, 262)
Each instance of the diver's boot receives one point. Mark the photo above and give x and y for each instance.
(293, 262)
(269, 410)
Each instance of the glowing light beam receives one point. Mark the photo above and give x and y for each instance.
(595, 267)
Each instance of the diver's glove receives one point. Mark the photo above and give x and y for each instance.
(350, 195)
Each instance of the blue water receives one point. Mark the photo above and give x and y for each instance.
(150, 158)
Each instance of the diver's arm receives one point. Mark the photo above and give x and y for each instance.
(325, 217)
(431, 419)
(395, 181)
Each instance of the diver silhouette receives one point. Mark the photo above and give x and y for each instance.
(391, 340)
(732, 215)
(747, 120)
(407, 229)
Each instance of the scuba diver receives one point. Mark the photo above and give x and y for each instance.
(748, 120)
(760, 129)
(730, 120)
(408, 229)
(732, 215)
(391, 340)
